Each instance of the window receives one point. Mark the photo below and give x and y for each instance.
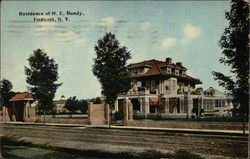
(217, 104)
(138, 83)
(183, 73)
(204, 104)
(212, 104)
(148, 84)
(152, 109)
(177, 72)
(137, 70)
(168, 70)
(223, 103)
(166, 84)
(141, 70)
(166, 88)
(152, 85)
(174, 85)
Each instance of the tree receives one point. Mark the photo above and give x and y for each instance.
(96, 100)
(41, 77)
(83, 106)
(72, 104)
(110, 67)
(234, 43)
(6, 93)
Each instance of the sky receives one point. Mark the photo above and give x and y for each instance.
(187, 31)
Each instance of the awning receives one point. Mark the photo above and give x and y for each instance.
(153, 101)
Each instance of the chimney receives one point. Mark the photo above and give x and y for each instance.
(168, 60)
(179, 63)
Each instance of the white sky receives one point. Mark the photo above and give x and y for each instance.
(188, 32)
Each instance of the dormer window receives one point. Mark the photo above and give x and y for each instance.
(177, 72)
(173, 70)
(137, 70)
(184, 73)
(168, 70)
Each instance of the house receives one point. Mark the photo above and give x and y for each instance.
(59, 105)
(21, 108)
(216, 103)
(162, 87)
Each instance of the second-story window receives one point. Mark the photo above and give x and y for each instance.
(166, 84)
(174, 85)
(152, 87)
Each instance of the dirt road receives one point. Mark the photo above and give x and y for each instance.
(209, 146)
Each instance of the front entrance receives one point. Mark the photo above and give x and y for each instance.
(19, 110)
(136, 106)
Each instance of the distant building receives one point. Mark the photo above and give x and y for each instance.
(163, 87)
(59, 105)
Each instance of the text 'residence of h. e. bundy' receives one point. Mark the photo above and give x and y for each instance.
(51, 16)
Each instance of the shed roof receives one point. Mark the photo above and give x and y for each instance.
(22, 97)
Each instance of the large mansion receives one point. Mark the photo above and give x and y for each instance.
(163, 87)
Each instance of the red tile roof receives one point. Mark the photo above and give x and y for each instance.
(155, 69)
(22, 96)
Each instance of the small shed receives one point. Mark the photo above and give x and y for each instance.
(18, 111)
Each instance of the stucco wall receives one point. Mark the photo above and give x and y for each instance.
(97, 114)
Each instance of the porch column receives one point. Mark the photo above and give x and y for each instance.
(130, 113)
(190, 106)
(146, 106)
(116, 105)
(125, 108)
(141, 104)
